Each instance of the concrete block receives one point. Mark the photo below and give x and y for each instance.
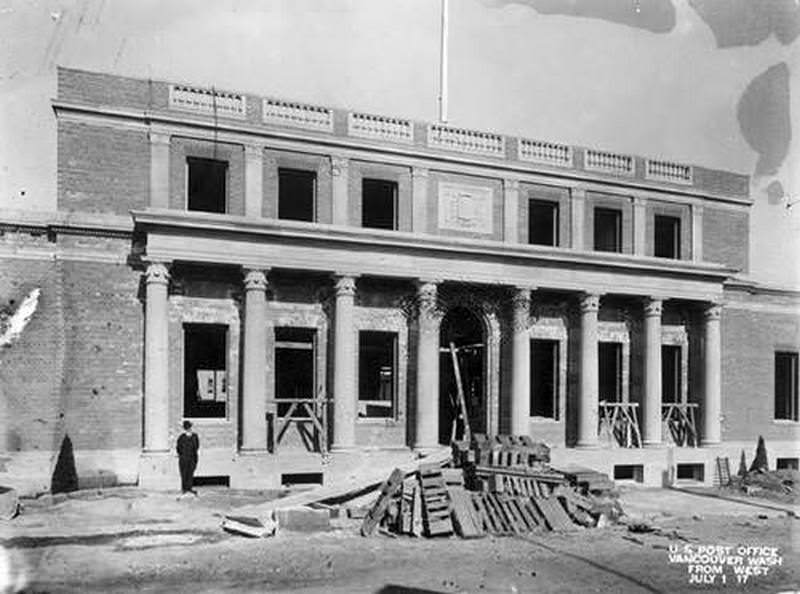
(303, 519)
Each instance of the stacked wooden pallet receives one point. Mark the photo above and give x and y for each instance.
(436, 506)
(587, 480)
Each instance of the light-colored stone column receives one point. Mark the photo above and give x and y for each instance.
(712, 362)
(651, 402)
(521, 363)
(588, 402)
(419, 199)
(156, 359)
(511, 211)
(344, 365)
(254, 180)
(639, 226)
(159, 169)
(428, 319)
(577, 218)
(697, 232)
(340, 171)
(254, 366)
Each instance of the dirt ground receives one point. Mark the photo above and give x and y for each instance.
(129, 540)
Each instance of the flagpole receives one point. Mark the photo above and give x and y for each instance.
(443, 65)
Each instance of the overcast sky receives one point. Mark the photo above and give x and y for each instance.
(690, 82)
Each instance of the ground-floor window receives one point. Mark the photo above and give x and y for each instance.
(544, 378)
(610, 371)
(294, 367)
(786, 386)
(205, 385)
(377, 370)
(670, 373)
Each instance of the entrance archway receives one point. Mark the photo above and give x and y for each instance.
(466, 332)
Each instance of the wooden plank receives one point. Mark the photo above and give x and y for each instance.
(388, 489)
(416, 512)
(463, 520)
(487, 521)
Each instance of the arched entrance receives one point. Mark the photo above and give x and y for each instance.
(465, 331)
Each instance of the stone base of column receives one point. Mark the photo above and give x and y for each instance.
(704, 443)
(653, 445)
(159, 471)
(588, 445)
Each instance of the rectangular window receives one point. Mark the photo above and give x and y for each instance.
(542, 222)
(786, 386)
(205, 379)
(205, 186)
(294, 367)
(670, 373)
(377, 372)
(610, 371)
(544, 378)
(297, 191)
(378, 204)
(667, 240)
(607, 230)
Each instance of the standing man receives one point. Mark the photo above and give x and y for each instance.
(188, 444)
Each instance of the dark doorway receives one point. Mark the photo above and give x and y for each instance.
(464, 330)
(205, 393)
(544, 378)
(610, 371)
(670, 373)
(294, 365)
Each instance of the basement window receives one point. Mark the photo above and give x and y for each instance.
(629, 472)
(205, 383)
(607, 230)
(377, 372)
(379, 204)
(297, 191)
(690, 472)
(544, 378)
(786, 464)
(542, 222)
(786, 386)
(205, 187)
(667, 240)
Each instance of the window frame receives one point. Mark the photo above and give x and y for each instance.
(395, 202)
(187, 184)
(185, 386)
(619, 230)
(791, 405)
(313, 173)
(395, 338)
(555, 210)
(677, 236)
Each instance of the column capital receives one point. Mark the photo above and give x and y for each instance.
(253, 151)
(521, 298)
(255, 279)
(713, 311)
(638, 200)
(420, 172)
(653, 307)
(339, 165)
(511, 184)
(589, 302)
(156, 137)
(157, 273)
(345, 285)
(577, 192)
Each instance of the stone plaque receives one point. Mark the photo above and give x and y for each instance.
(465, 208)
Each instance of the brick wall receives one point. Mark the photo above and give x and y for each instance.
(749, 341)
(726, 237)
(102, 169)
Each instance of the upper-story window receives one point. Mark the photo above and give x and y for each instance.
(786, 386)
(206, 184)
(297, 192)
(542, 222)
(667, 240)
(608, 230)
(379, 204)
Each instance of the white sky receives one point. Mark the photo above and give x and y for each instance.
(567, 79)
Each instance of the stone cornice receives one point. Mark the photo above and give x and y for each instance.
(173, 221)
(104, 225)
(243, 132)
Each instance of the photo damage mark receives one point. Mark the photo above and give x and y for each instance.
(744, 22)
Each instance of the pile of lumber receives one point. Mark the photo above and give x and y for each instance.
(501, 485)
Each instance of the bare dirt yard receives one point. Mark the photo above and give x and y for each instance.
(130, 540)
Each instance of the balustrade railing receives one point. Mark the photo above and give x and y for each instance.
(619, 424)
(364, 125)
(668, 171)
(297, 115)
(466, 141)
(608, 162)
(549, 153)
(679, 423)
(208, 101)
